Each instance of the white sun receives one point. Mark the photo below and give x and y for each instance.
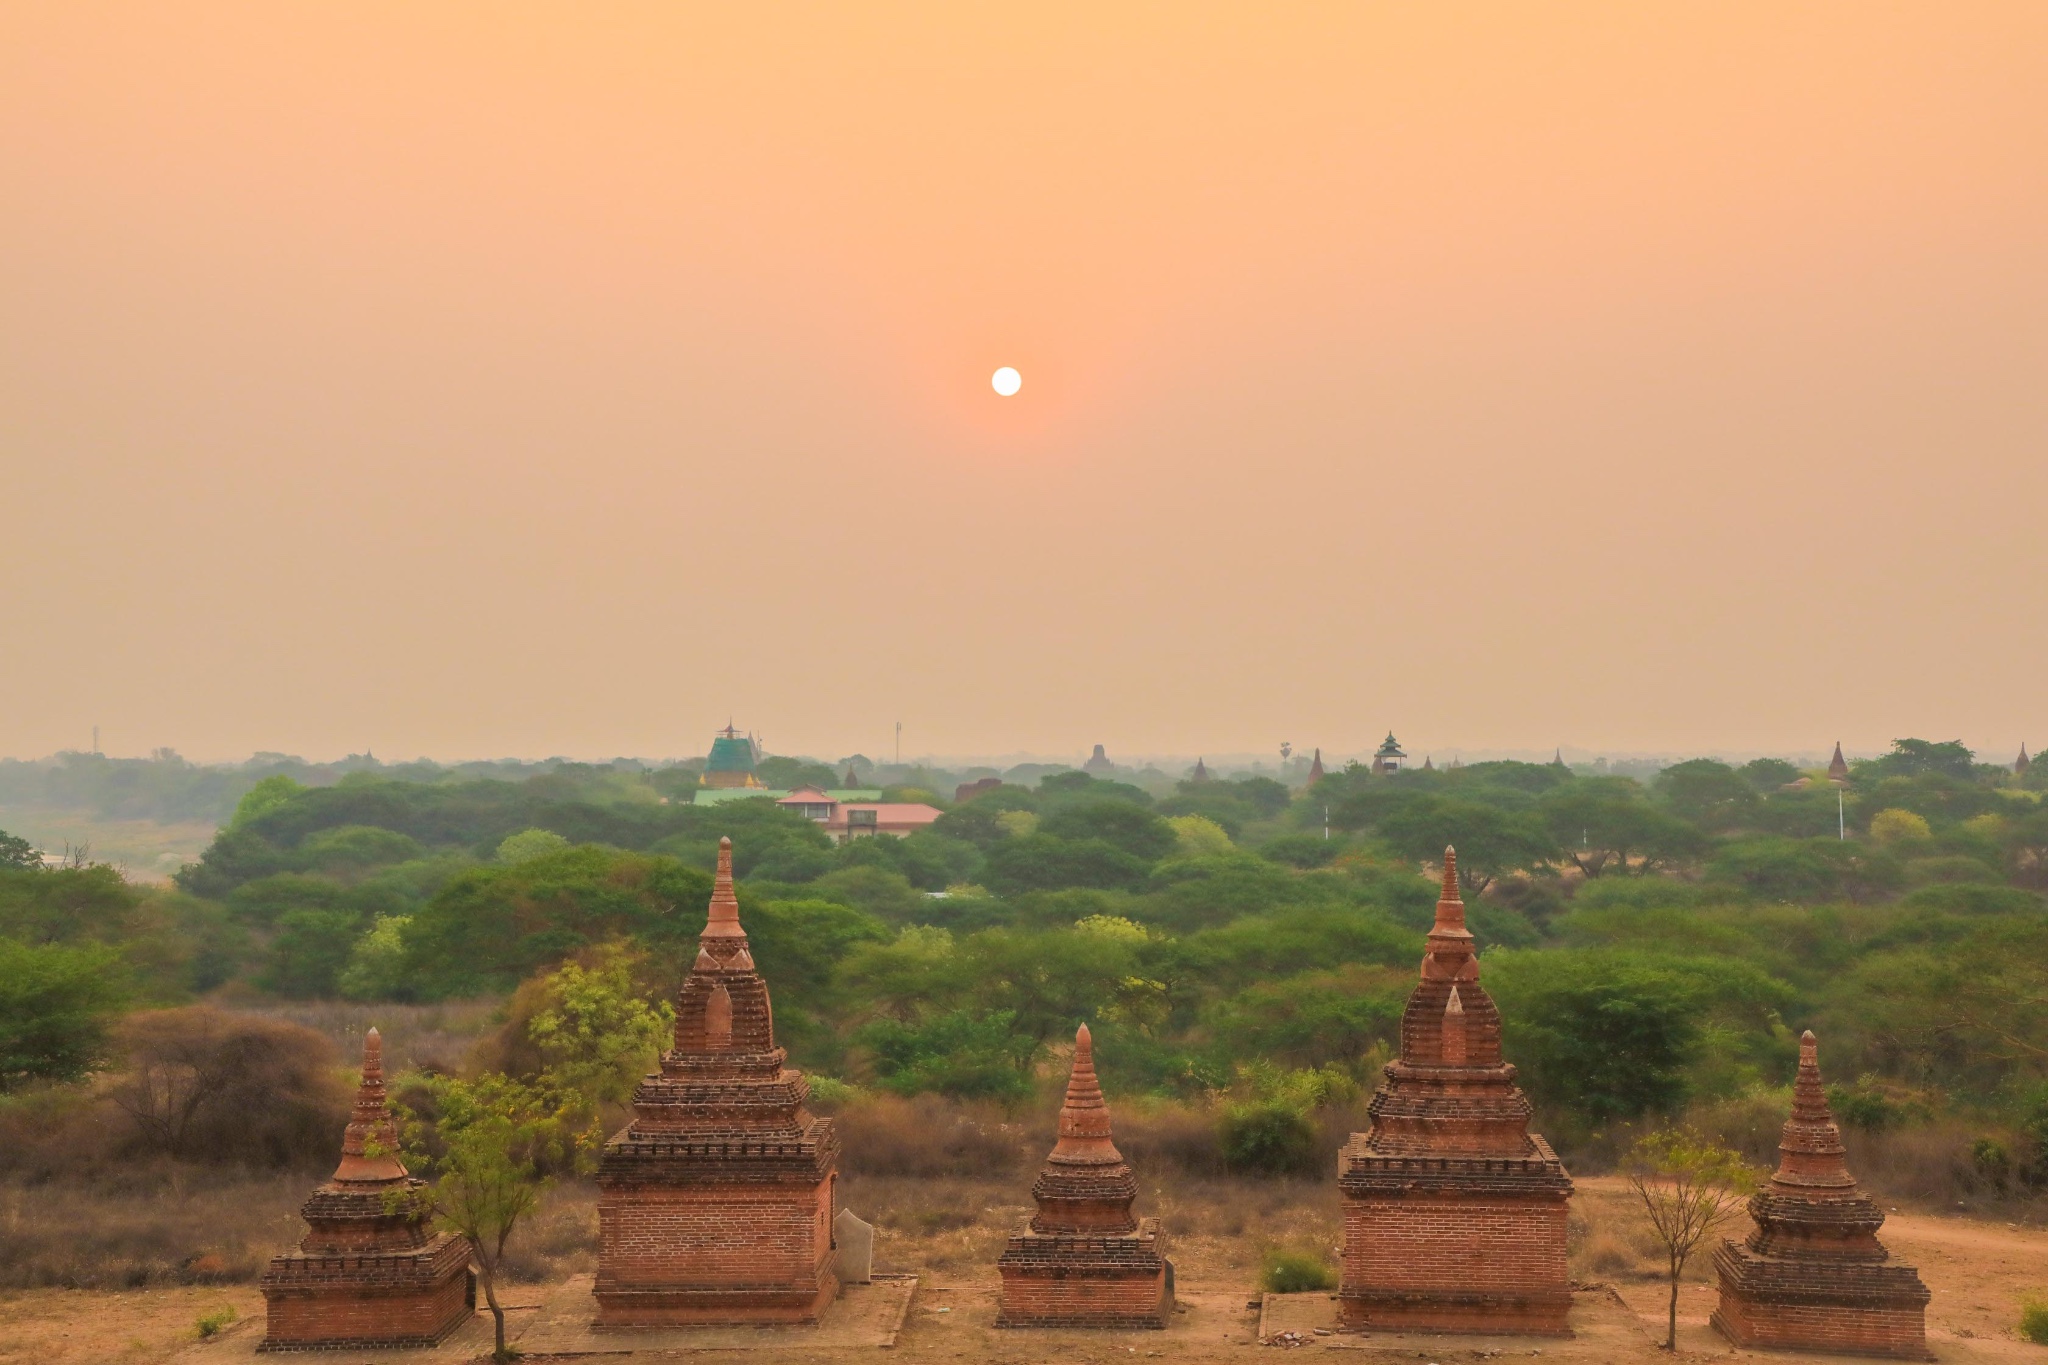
(1007, 381)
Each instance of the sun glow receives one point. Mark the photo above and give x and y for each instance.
(1007, 381)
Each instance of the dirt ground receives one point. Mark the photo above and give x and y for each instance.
(949, 1231)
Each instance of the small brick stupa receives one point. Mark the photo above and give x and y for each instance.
(371, 1271)
(715, 1205)
(1454, 1212)
(1813, 1276)
(1083, 1260)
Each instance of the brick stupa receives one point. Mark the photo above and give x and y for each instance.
(1813, 1276)
(715, 1204)
(1083, 1260)
(370, 1272)
(1454, 1212)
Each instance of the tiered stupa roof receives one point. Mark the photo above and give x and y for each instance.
(1085, 1185)
(1315, 768)
(1838, 767)
(1813, 1274)
(724, 1080)
(354, 1209)
(1450, 1092)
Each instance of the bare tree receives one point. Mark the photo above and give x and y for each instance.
(1688, 1184)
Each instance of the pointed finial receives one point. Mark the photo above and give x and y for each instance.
(369, 1145)
(1450, 957)
(373, 1055)
(724, 919)
(1451, 878)
(1084, 1117)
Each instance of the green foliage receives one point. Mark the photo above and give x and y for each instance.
(492, 1146)
(1314, 1020)
(18, 854)
(1122, 826)
(1896, 826)
(493, 926)
(1688, 1186)
(212, 1324)
(962, 1054)
(1041, 862)
(376, 962)
(56, 1003)
(2034, 1320)
(1197, 836)
(1916, 758)
(267, 795)
(529, 844)
(596, 1036)
(1283, 1271)
(1266, 1137)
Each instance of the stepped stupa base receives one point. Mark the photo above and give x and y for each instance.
(1077, 1279)
(1769, 1303)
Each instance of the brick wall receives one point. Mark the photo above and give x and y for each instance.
(1451, 1262)
(704, 1253)
(318, 1316)
(1859, 1330)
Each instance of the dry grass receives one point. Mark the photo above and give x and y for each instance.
(885, 1135)
(161, 1226)
(416, 1037)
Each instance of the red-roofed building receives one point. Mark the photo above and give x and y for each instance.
(845, 820)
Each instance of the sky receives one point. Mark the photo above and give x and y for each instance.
(505, 379)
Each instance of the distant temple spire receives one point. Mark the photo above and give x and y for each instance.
(1557, 758)
(2022, 763)
(1838, 767)
(1201, 773)
(852, 778)
(1389, 757)
(1315, 769)
(1427, 766)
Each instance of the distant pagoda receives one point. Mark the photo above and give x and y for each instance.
(1838, 767)
(1201, 772)
(1454, 1212)
(1315, 768)
(2022, 763)
(1098, 763)
(732, 760)
(1813, 1276)
(1388, 758)
(716, 1203)
(1084, 1260)
(371, 1271)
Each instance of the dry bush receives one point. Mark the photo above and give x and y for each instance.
(435, 1038)
(558, 1239)
(944, 1223)
(1169, 1135)
(156, 1225)
(929, 1136)
(222, 1087)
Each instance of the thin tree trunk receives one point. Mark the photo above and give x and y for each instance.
(497, 1313)
(1671, 1323)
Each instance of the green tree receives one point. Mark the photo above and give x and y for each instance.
(1123, 826)
(1602, 1035)
(1040, 862)
(311, 950)
(1606, 823)
(267, 795)
(492, 1149)
(1689, 1185)
(1915, 757)
(529, 844)
(56, 1003)
(19, 854)
(597, 1036)
(1490, 841)
(1708, 793)
(376, 962)
(959, 1053)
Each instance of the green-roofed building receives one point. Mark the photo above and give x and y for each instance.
(732, 760)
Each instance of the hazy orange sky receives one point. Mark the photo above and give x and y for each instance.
(506, 379)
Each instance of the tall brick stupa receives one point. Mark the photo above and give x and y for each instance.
(1813, 1276)
(371, 1271)
(1084, 1260)
(715, 1204)
(1454, 1212)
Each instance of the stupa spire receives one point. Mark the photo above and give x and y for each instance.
(1838, 767)
(1084, 1117)
(1450, 956)
(369, 1145)
(724, 920)
(1315, 768)
(1810, 1155)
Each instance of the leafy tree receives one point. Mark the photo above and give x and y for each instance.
(348, 850)
(529, 844)
(491, 1148)
(311, 950)
(596, 1035)
(1599, 1035)
(1689, 1185)
(227, 1086)
(1313, 1020)
(1040, 862)
(960, 1053)
(1198, 836)
(265, 796)
(787, 774)
(376, 962)
(1123, 826)
(1490, 841)
(1769, 774)
(1916, 757)
(67, 905)
(56, 1003)
(1708, 793)
(1606, 822)
(19, 854)
(798, 944)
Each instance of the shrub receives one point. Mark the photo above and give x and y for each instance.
(1897, 826)
(1295, 1272)
(55, 1002)
(214, 1323)
(2034, 1320)
(216, 1086)
(1266, 1137)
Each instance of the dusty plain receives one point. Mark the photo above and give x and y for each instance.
(947, 1233)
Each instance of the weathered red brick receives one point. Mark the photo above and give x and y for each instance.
(370, 1272)
(715, 1204)
(1454, 1213)
(1813, 1276)
(1083, 1260)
